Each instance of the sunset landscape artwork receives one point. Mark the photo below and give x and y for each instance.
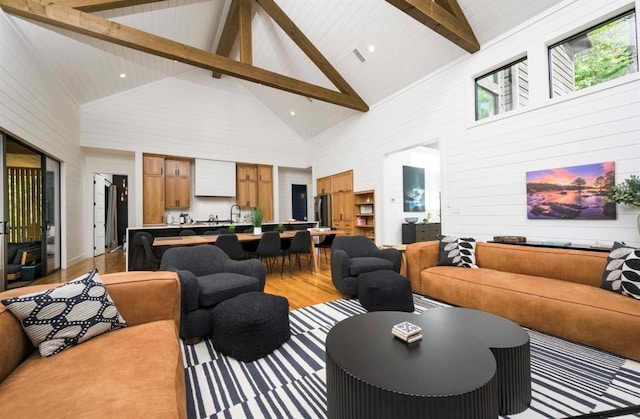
(577, 192)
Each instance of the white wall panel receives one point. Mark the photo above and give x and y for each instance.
(189, 116)
(37, 110)
(484, 163)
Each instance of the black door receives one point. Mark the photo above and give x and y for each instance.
(299, 202)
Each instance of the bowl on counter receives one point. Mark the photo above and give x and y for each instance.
(411, 220)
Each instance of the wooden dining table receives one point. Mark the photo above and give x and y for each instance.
(242, 237)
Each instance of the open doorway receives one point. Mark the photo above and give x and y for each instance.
(426, 158)
(110, 212)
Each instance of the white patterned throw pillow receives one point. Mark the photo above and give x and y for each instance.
(622, 272)
(456, 251)
(59, 318)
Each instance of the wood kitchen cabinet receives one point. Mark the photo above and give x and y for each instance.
(246, 185)
(153, 190)
(324, 185)
(342, 202)
(254, 187)
(265, 191)
(177, 182)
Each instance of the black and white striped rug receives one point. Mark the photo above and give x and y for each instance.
(568, 379)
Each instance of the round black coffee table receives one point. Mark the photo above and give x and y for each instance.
(509, 344)
(371, 374)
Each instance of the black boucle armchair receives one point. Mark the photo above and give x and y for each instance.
(354, 255)
(207, 277)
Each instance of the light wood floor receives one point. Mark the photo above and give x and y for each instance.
(302, 289)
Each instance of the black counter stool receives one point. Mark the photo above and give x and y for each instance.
(251, 325)
(385, 291)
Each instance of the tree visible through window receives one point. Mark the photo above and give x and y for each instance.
(594, 56)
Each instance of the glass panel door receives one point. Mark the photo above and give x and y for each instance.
(24, 212)
(52, 214)
(3, 221)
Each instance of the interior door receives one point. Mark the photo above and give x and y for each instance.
(299, 202)
(98, 214)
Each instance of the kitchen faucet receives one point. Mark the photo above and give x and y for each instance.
(231, 213)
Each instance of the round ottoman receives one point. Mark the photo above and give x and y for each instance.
(385, 291)
(250, 325)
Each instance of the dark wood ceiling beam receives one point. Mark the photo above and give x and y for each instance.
(98, 5)
(290, 28)
(229, 33)
(244, 19)
(96, 27)
(454, 27)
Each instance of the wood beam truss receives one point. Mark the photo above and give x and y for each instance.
(84, 23)
(443, 16)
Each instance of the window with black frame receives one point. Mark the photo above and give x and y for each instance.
(502, 90)
(599, 54)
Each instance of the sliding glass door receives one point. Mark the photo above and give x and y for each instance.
(29, 213)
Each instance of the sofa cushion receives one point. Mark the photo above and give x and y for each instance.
(364, 264)
(135, 372)
(216, 288)
(622, 271)
(61, 317)
(457, 252)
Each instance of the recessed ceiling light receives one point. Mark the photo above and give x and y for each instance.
(123, 75)
(293, 113)
(372, 48)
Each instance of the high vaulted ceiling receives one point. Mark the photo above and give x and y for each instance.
(405, 49)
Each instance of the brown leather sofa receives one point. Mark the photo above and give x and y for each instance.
(133, 372)
(552, 290)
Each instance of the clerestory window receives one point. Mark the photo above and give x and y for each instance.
(596, 55)
(502, 90)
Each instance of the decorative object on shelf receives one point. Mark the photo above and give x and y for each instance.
(509, 239)
(256, 219)
(362, 221)
(577, 192)
(366, 209)
(627, 193)
(411, 220)
(413, 188)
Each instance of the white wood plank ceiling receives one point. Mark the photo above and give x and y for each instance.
(405, 50)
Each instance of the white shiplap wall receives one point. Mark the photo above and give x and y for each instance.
(484, 164)
(192, 115)
(36, 109)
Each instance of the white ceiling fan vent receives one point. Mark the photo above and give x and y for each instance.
(359, 55)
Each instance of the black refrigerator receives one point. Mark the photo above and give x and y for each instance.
(322, 208)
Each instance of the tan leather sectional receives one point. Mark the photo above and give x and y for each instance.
(552, 290)
(134, 372)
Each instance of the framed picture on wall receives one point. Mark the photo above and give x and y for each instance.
(413, 188)
(576, 192)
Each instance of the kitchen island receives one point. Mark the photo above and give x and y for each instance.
(135, 257)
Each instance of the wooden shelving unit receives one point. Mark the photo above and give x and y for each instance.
(364, 210)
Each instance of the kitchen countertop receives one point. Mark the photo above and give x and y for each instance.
(214, 224)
